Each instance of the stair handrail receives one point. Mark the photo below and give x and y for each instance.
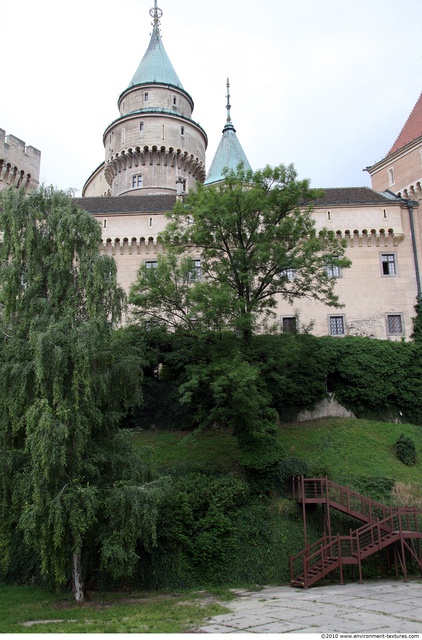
(321, 487)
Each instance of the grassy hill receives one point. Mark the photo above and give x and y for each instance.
(345, 449)
(251, 541)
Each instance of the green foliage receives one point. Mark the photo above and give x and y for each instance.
(214, 530)
(417, 323)
(405, 450)
(378, 488)
(292, 468)
(63, 389)
(251, 230)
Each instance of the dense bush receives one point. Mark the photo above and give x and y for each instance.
(214, 530)
(405, 450)
(184, 377)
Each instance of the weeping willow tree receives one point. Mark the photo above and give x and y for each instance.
(67, 474)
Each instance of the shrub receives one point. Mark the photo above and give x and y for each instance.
(378, 488)
(292, 468)
(405, 450)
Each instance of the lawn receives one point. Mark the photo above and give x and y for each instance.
(348, 447)
(344, 446)
(207, 450)
(34, 610)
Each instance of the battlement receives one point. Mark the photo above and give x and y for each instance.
(19, 163)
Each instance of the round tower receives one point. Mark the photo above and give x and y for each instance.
(154, 146)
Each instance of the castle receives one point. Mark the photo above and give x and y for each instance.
(19, 164)
(155, 152)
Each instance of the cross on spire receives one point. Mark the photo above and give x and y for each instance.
(155, 14)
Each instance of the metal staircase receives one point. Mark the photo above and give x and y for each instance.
(398, 528)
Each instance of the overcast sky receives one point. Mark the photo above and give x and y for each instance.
(325, 84)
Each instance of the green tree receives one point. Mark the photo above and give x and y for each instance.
(257, 240)
(67, 475)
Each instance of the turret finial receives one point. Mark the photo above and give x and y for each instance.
(155, 14)
(228, 106)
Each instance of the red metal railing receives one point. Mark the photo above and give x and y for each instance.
(333, 552)
(322, 490)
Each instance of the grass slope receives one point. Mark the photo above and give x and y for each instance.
(344, 447)
(349, 448)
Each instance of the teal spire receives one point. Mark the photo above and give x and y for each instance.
(229, 152)
(155, 66)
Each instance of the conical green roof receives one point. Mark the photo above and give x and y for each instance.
(229, 155)
(229, 152)
(155, 66)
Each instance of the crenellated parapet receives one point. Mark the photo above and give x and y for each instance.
(145, 245)
(19, 164)
(150, 160)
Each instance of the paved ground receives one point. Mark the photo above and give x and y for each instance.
(374, 607)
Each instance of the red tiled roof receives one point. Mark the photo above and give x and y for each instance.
(412, 128)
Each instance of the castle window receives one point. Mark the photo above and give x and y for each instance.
(137, 181)
(395, 324)
(329, 216)
(384, 214)
(196, 272)
(141, 126)
(105, 223)
(288, 273)
(150, 222)
(288, 324)
(151, 264)
(336, 325)
(182, 130)
(333, 270)
(123, 135)
(146, 97)
(388, 264)
(391, 177)
(174, 101)
(163, 132)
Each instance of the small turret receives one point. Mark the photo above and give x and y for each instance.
(229, 152)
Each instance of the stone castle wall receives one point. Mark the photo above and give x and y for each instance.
(19, 164)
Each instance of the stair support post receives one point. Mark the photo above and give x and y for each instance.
(359, 560)
(305, 537)
(340, 559)
(403, 550)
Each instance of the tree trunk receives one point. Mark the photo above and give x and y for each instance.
(77, 579)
